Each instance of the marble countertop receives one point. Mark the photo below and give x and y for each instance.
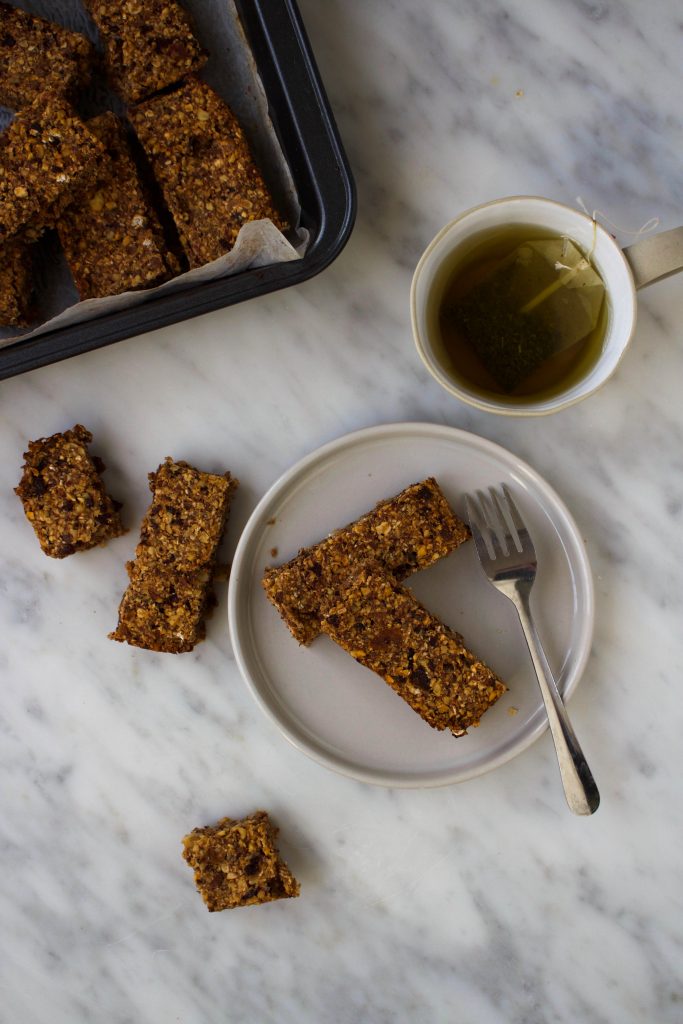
(482, 902)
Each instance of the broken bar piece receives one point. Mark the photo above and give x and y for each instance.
(63, 496)
(203, 163)
(171, 580)
(16, 282)
(405, 533)
(46, 155)
(148, 44)
(38, 56)
(386, 629)
(111, 236)
(237, 863)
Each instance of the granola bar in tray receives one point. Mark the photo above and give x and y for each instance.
(111, 235)
(203, 163)
(38, 56)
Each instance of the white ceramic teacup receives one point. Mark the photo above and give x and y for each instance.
(622, 271)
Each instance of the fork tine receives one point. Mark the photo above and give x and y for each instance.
(494, 523)
(480, 532)
(516, 517)
(505, 513)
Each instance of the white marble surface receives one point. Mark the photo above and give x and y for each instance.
(486, 902)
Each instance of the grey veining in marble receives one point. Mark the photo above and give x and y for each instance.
(486, 902)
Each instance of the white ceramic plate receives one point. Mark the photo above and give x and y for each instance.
(340, 713)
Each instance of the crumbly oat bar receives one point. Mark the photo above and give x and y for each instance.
(164, 611)
(63, 495)
(203, 163)
(16, 282)
(183, 526)
(111, 236)
(386, 629)
(171, 579)
(46, 155)
(38, 56)
(237, 863)
(148, 44)
(405, 533)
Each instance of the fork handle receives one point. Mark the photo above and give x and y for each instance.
(578, 782)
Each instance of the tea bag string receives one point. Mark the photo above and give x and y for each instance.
(648, 226)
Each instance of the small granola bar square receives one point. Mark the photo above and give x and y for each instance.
(16, 282)
(205, 168)
(111, 236)
(38, 56)
(404, 534)
(237, 863)
(386, 629)
(46, 155)
(183, 526)
(148, 44)
(63, 496)
(164, 612)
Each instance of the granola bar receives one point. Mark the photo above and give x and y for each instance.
(46, 154)
(38, 56)
(204, 166)
(386, 629)
(171, 579)
(63, 496)
(405, 533)
(148, 44)
(162, 611)
(111, 236)
(237, 863)
(16, 283)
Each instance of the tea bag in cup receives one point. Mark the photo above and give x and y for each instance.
(540, 300)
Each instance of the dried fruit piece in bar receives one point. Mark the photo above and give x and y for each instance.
(111, 235)
(148, 44)
(38, 56)
(203, 163)
(386, 629)
(237, 863)
(16, 282)
(63, 495)
(171, 580)
(46, 155)
(405, 533)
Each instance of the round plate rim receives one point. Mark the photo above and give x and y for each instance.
(581, 571)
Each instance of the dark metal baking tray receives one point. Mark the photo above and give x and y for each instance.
(309, 137)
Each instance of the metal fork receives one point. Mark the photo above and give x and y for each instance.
(507, 555)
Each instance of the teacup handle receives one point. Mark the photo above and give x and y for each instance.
(653, 259)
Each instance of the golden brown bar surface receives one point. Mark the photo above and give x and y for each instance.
(203, 163)
(46, 156)
(111, 236)
(148, 44)
(405, 533)
(16, 282)
(171, 588)
(63, 495)
(386, 629)
(38, 56)
(237, 863)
